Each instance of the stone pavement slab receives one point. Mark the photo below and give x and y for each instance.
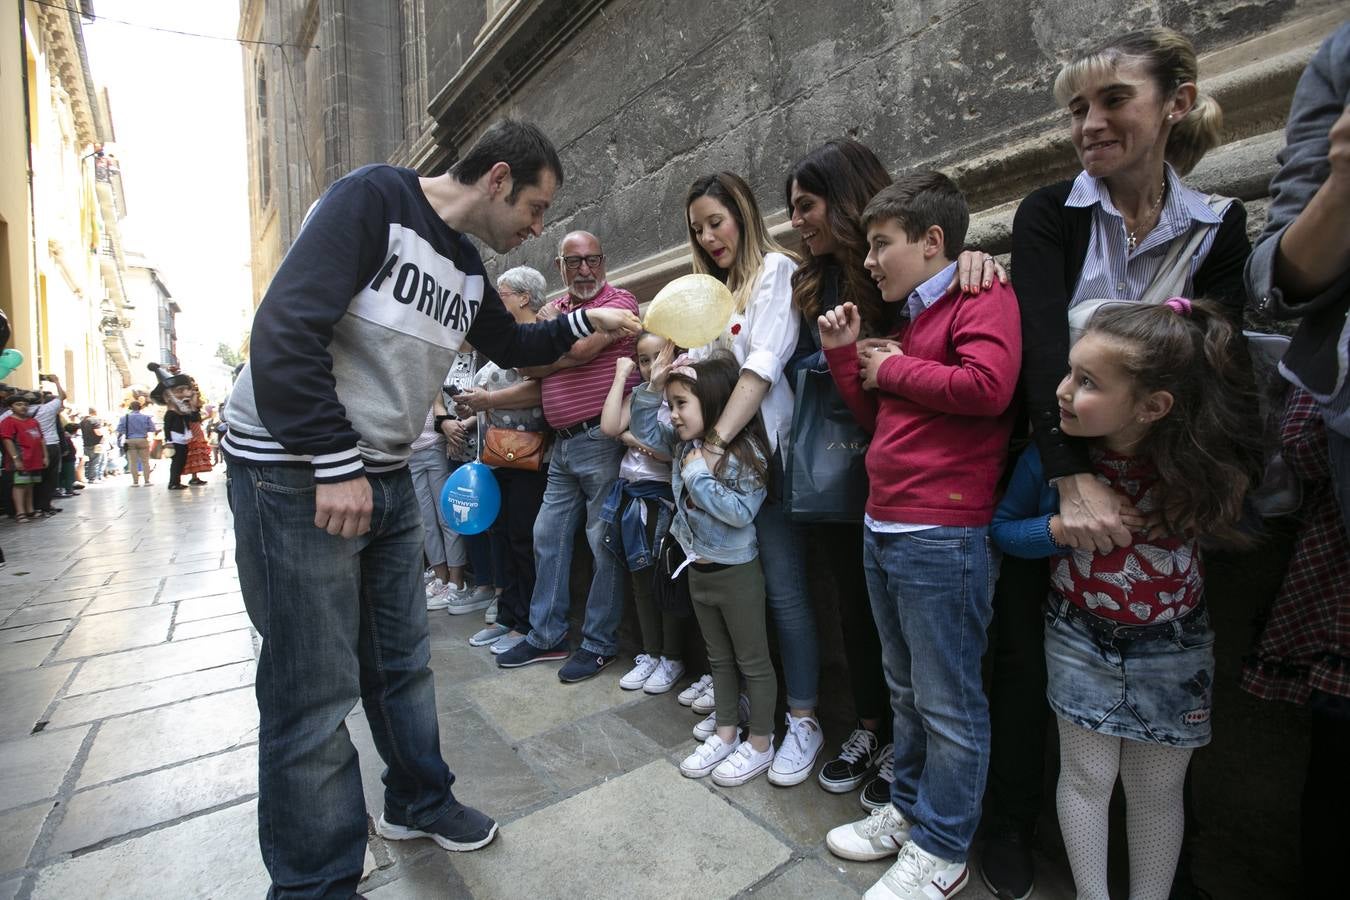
(530, 700)
(21, 633)
(169, 734)
(111, 601)
(118, 701)
(26, 655)
(208, 607)
(44, 612)
(580, 754)
(807, 879)
(35, 766)
(205, 858)
(177, 658)
(125, 806)
(185, 630)
(115, 631)
(18, 830)
(570, 849)
(217, 581)
(25, 696)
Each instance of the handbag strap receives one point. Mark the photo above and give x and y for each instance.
(1170, 281)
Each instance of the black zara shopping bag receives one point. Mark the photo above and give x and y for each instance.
(825, 474)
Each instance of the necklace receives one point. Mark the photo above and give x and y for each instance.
(1130, 240)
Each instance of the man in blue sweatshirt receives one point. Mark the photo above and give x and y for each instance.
(348, 349)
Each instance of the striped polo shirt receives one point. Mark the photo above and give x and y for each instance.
(577, 394)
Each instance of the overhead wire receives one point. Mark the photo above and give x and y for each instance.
(196, 34)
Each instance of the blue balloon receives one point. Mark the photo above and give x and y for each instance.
(470, 499)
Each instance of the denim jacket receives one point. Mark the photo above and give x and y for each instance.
(625, 516)
(714, 516)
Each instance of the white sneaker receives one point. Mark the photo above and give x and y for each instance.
(797, 754)
(467, 600)
(440, 594)
(695, 690)
(878, 836)
(668, 671)
(705, 727)
(638, 675)
(705, 702)
(743, 765)
(919, 875)
(429, 576)
(490, 614)
(706, 757)
(489, 635)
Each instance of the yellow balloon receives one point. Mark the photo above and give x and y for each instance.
(692, 310)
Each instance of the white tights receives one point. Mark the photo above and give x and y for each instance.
(1154, 817)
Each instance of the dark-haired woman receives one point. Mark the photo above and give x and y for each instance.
(1125, 229)
(826, 192)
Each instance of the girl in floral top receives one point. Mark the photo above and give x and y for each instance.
(1164, 394)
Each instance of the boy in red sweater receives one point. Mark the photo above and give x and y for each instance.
(937, 399)
(25, 454)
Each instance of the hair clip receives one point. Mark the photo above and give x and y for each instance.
(1179, 305)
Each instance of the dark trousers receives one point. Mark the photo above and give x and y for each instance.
(1325, 793)
(176, 464)
(6, 492)
(522, 495)
(51, 478)
(843, 548)
(1018, 711)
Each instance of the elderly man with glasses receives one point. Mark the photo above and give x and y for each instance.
(585, 464)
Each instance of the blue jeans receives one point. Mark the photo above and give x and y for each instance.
(579, 476)
(782, 554)
(341, 621)
(931, 594)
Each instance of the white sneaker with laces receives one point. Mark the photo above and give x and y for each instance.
(797, 754)
(638, 675)
(919, 875)
(878, 836)
(440, 594)
(668, 671)
(706, 702)
(706, 757)
(695, 690)
(466, 600)
(428, 576)
(742, 765)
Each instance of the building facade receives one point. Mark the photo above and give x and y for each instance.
(64, 286)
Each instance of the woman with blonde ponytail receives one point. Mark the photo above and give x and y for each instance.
(1126, 229)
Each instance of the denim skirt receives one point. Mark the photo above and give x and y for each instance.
(1143, 683)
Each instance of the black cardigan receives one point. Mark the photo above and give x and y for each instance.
(1049, 248)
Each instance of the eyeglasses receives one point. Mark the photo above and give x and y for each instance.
(574, 262)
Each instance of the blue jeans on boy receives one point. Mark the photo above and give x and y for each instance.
(579, 477)
(931, 594)
(342, 620)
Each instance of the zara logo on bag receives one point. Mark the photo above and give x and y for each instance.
(846, 445)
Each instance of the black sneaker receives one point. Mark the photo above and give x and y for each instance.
(460, 828)
(847, 771)
(178, 487)
(583, 664)
(1006, 865)
(524, 653)
(878, 791)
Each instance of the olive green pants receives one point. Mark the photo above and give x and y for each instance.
(729, 604)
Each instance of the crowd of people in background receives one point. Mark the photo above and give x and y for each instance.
(1048, 459)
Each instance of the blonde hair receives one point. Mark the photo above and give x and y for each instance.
(732, 192)
(1168, 59)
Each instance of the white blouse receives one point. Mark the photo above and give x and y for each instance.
(763, 339)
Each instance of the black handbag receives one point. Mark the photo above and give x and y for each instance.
(824, 464)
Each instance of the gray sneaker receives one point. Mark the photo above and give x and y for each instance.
(504, 643)
(488, 635)
(470, 600)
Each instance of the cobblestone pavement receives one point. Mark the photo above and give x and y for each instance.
(128, 744)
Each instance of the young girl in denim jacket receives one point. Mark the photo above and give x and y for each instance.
(1163, 393)
(714, 524)
(660, 664)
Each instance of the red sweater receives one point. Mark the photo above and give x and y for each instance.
(941, 420)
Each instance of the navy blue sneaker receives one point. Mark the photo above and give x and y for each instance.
(460, 828)
(583, 664)
(524, 653)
